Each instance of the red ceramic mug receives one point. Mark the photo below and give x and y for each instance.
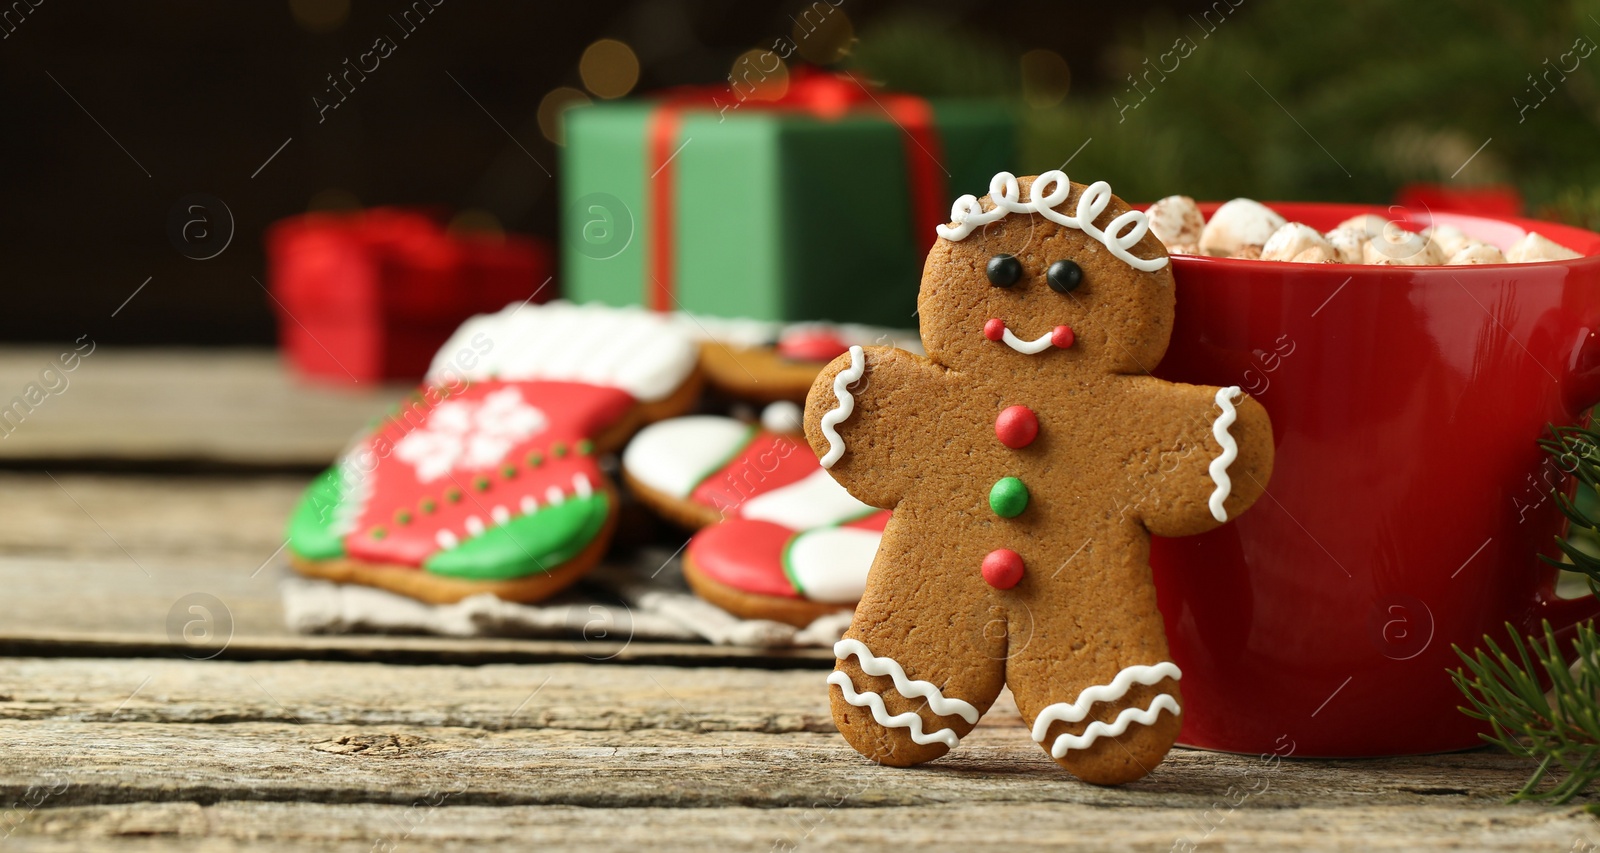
(1408, 498)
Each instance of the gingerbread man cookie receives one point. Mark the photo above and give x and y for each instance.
(1027, 459)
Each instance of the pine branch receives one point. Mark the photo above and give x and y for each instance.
(1560, 728)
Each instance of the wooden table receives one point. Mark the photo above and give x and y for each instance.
(161, 476)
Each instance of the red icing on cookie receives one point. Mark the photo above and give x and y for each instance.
(1062, 337)
(811, 345)
(746, 555)
(443, 469)
(770, 461)
(1016, 427)
(1002, 568)
(995, 329)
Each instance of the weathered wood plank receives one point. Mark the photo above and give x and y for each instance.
(493, 697)
(154, 754)
(576, 734)
(98, 565)
(137, 519)
(99, 555)
(113, 762)
(302, 826)
(238, 407)
(413, 650)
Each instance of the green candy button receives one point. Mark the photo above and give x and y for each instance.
(1008, 498)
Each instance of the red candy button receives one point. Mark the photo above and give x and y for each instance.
(1002, 568)
(1016, 427)
(995, 329)
(1062, 337)
(812, 345)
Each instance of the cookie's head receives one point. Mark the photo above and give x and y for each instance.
(1049, 274)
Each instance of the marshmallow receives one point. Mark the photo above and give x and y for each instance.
(1293, 239)
(1317, 255)
(1349, 243)
(1176, 221)
(1398, 247)
(1250, 252)
(1237, 224)
(1183, 249)
(1370, 224)
(1474, 252)
(1537, 247)
(1448, 238)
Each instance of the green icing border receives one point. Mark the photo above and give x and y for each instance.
(788, 566)
(749, 439)
(311, 531)
(528, 544)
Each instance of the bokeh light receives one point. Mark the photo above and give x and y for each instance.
(551, 108)
(1046, 78)
(320, 16)
(609, 68)
(759, 74)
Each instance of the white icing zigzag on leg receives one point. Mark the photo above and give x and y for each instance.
(1078, 710)
(873, 665)
(907, 720)
(1097, 729)
(847, 404)
(1230, 451)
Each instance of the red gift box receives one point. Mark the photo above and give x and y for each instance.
(1488, 200)
(371, 296)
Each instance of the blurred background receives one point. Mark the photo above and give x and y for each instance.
(126, 122)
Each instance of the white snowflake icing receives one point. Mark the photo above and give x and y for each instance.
(469, 435)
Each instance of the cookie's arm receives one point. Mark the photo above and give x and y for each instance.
(858, 414)
(1210, 456)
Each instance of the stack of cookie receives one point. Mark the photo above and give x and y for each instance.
(495, 475)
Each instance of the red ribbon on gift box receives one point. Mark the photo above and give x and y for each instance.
(825, 96)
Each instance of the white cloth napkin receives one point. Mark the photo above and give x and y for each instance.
(645, 601)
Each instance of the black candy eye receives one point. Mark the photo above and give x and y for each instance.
(1064, 276)
(1004, 270)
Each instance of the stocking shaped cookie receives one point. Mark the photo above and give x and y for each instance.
(1027, 460)
(486, 479)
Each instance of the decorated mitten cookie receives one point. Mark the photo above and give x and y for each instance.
(485, 479)
(1027, 460)
(780, 539)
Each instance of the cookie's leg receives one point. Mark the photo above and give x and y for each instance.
(923, 660)
(1104, 701)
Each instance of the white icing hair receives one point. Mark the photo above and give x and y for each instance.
(968, 214)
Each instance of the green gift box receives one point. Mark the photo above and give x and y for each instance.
(820, 205)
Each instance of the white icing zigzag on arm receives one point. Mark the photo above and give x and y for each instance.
(1097, 729)
(873, 665)
(968, 214)
(847, 404)
(1078, 710)
(1230, 451)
